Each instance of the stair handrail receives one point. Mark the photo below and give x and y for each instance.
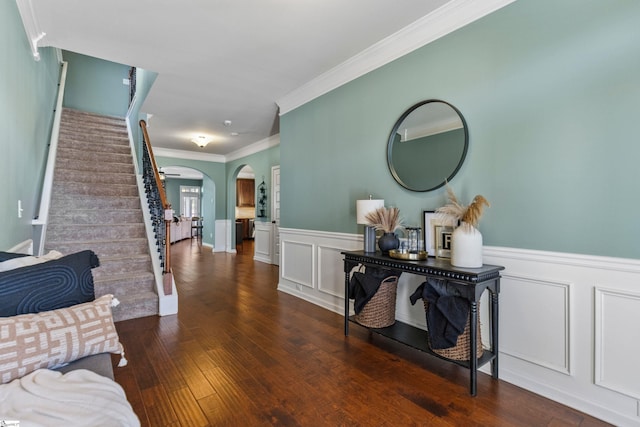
(40, 221)
(156, 172)
(166, 206)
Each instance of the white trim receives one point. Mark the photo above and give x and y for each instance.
(627, 265)
(31, 27)
(444, 20)
(40, 224)
(564, 329)
(603, 346)
(188, 155)
(256, 147)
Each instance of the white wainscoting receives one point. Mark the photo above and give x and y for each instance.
(569, 324)
(263, 242)
(222, 236)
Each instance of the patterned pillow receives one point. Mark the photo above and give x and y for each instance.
(50, 285)
(52, 338)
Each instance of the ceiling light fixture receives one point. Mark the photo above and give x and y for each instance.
(201, 141)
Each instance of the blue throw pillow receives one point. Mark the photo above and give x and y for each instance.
(48, 286)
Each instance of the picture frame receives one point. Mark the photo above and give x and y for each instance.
(434, 235)
(443, 241)
(430, 219)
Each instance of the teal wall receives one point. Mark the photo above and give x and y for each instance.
(214, 194)
(172, 188)
(144, 82)
(95, 85)
(28, 91)
(218, 185)
(550, 93)
(261, 163)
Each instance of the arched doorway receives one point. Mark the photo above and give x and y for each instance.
(245, 210)
(191, 194)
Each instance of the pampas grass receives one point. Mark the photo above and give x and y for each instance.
(469, 216)
(384, 219)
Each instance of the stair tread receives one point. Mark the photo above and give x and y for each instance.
(94, 184)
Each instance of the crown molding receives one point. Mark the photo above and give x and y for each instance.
(442, 21)
(256, 147)
(188, 155)
(31, 27)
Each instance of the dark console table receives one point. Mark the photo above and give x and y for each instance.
(471, 282)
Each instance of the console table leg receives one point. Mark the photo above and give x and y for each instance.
(346, 304)
(494, 334)
(473, 338)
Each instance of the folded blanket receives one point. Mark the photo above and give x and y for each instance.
(363, 286)
(447, 314)
(78, 398)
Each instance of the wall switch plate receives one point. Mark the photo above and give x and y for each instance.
(20, 209)
(125, 82)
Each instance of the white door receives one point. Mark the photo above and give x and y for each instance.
(275, 214)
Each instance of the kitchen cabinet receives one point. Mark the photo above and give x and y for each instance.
(245, 192)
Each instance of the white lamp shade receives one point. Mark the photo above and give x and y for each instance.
(363, 207)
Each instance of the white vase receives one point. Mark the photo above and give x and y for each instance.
(466, 247)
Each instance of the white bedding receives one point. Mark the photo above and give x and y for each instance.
(78, 398)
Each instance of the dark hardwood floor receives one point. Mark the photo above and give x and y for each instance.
(240, 353)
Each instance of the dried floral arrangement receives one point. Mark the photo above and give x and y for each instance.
(468, 216)
(384, 219)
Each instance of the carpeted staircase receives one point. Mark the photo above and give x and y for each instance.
(95, 205)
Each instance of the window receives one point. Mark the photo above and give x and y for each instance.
(189, 201)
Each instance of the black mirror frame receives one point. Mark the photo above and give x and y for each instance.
(394, 130)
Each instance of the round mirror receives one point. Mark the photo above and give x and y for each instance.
(427, 145)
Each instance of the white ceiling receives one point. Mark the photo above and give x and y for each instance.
(223, 60)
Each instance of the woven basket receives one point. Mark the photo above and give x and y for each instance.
(462, 349)
(380, 310)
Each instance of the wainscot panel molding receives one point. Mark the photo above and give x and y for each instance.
(222, 236)
(263, 242)
(568, 322)
(544, 305)
(616, 363)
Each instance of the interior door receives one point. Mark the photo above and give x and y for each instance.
(275, 214)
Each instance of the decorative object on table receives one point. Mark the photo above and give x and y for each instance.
(374, 293)
(443, 235)
(262, 199)
(414, 243)
(363, 208)
(388, 221)
(447, 316)
(466, 240)
(413, 250)
(407, 255)
(431, 219)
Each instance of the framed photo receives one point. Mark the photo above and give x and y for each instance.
(443, 241)
(430, 221)
(437, 234)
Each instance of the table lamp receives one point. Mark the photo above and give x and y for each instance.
(363, 207)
